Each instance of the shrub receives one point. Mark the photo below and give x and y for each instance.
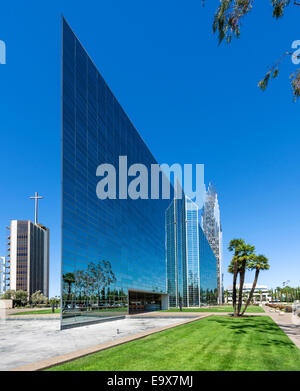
(282, 307)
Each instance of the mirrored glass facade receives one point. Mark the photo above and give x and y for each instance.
(112, 248)
(191, 263)
(211, 226)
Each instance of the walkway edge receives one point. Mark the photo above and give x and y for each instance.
(57, 360)
(290, 330)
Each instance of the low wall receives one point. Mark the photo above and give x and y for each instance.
(6, 304)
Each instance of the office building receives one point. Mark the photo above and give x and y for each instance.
(191, 263)
(28, 248)
(261, 293)
(211, 226)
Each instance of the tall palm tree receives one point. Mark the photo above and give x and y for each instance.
(245, 256)
(235, 246)
(258, 263)
(244, 253)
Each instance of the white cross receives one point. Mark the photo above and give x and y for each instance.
(36, 198)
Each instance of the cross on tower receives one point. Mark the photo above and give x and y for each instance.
(36, 198)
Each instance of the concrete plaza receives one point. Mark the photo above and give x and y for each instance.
(28, 341)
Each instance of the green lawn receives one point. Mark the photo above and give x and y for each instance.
(221, 308)
(215, 343)
(36, 312)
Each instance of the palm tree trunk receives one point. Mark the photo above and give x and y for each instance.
(234, 289)
(252, 291)
(242, 279)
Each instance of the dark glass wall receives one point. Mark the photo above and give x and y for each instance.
(36, 259)
(108, 246)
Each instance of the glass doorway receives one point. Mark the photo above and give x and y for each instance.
(143, 302)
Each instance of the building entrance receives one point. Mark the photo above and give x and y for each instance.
(144, 302)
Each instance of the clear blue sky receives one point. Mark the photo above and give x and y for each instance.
(192, 102)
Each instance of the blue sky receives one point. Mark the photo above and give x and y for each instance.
(191, 100)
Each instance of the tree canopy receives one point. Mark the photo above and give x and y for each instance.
(227, 24)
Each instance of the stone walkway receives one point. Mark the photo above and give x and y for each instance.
(284, 321)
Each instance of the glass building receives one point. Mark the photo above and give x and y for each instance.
(113, 250)
(211, 225)
(119, 255)
(191, 263)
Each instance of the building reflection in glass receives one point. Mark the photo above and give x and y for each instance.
(191, 263)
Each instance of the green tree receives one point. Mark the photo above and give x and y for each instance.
(257, 263)
(38, 298)
(21, 297)
(10, 294)
(227, 24)
(54, 300)
(102, 276)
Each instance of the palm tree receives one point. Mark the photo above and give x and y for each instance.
(236, 246)
(259, 262)
(244, 253)
(245, 256)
